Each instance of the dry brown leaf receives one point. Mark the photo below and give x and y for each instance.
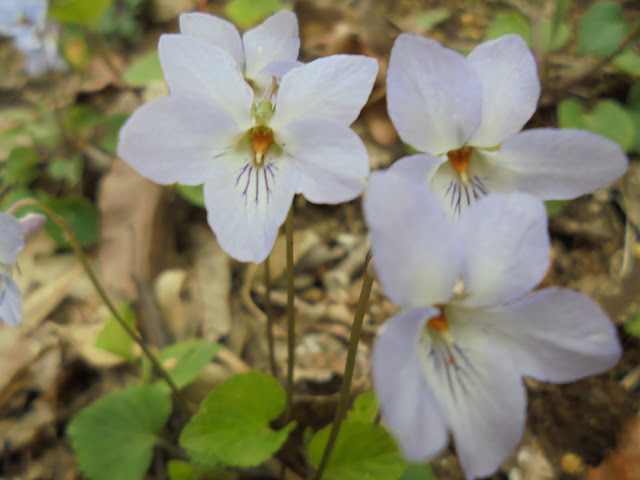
(624, 462)
(128, 205)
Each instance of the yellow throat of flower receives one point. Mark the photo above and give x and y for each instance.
(460, 162)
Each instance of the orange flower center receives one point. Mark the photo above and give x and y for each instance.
(439, 323)
(261, 140)
(460, 162)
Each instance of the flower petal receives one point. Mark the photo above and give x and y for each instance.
(434, 95)
(215, 30)
(506, 247)
(421, 167)
(510, 88)
(555, 335)
(558, 163)
(480, 392)
(195, 67)
(11, 239)
(415, 267)
(332, 160)
(335, 87)
(274, 40)
(10, 301)
(246, 205)
(405, 399)
(176, 139)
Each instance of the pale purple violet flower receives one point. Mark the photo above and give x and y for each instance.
(266, 51)
(252, 158)
(25, 22)
(454, 358)
(12, 235)
(465, 115)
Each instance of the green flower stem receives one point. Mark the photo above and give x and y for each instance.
(269, 311)
(77, 249)
(345, 389)
(291, 327)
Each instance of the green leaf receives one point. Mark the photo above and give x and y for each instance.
(635, 116)
(81, 118)
(192, 194)
(633, 97)
(247, 13)
(112, 124)
(607, 118)
(628, 61)
(363, 450)
(113, 338)
(232, 425)
(79, 12)
(144, 70)
(632, 326)
(601, 30)
(554, 39)
(21, 167)
(113, 438)
(554, 207)
(67, 169)
(179, 470)
(79, 213)
(510, 22)
(418, 472)
(185, 360)
(365, 408)
(570, 114)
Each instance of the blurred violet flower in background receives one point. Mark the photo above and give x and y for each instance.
(252, 157)
(12, 235)
(465, 114)
(266, 51)
(453, 359)
(25, 22)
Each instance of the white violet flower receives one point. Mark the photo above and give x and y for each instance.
(12, 235)
(25, 22)
(266, 51)
(454, 358)
(465, 115)
(252, 158)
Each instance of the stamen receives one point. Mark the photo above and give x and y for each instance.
(439, 323)
(460, 162)
(261, 140)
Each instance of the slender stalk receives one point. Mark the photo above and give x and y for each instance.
(77, 249)
(345, 389)
(291, 327)
(269, 311)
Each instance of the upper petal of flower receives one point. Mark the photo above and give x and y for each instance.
(11, 239)
(480, 392)
(215, 30)
(420, 167)
(247, 205)
(555, 335)
(335, 87)
(177, 139)
(506, 247)
(332, 160)
(193, 66)
(10, 301)
(434, 95)
(557, 163)
(510, 88)
(400, 385)
(274, 40)
(416, 247)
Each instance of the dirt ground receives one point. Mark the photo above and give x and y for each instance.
(156, 250)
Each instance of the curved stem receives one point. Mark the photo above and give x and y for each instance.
(291, 327)
(77, 249)
(269, 311)
(345, 389)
